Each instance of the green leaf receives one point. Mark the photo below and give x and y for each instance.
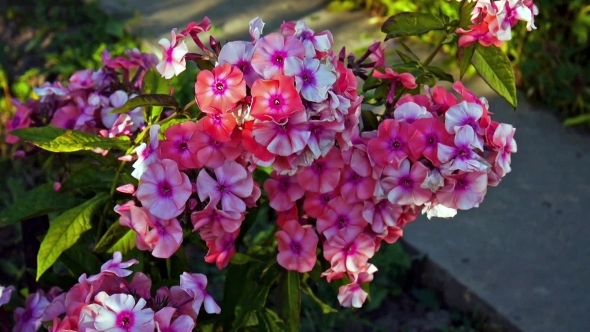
(235, 284)
(88, 178)
(289, 300)
(577, 120)
(440, 74)
(37, 202)
(369, 120)
(409, 51)
(465, 15)
(240, 258)
(116, 238)
(80, 260)
(65, 230)
(404, 57)
(148, 100)
(326, 309)
(269, 321)
(411, 24)
(154, 83)
(61, 140)
(465, 55)
(371, 82)
(495, 68)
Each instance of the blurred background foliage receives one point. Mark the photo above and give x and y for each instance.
(552, 64)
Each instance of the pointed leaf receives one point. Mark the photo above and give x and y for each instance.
(37, 202)
(116, 238)
(577, 120)
(465, 55)
(80, 260)
(495, 68)
(154, 83)
(61, 140)
(440, 74)
(289, 300)
(411, 24)
(148, 100)
(465, 15)
(269, 321)
(65, 230)
(409, 51)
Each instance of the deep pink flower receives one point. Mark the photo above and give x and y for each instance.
(239, 54)
(323, 175)
(232, 184)
(283, 191)
(163, 320)
(312, 79)
(354, 187)
(297, 246)
(219, 126)
(315, 204)
(275, 99)
(164, 238)
(173, 52)
(463, 191)
(194, 284)
(478, 33)
(349, 249)
(425, 137)
(120, 313)
(222, 249)
(381, 214)
(283, 139)
(181, 145)
(28, 319)
(461, 156)
(274, 53)
(338, 215)
(406, 79)
(211, 152)
(65, 117)
(21, 119)
(163, 189)
(391, 145)
(218, 91)
(402, 185)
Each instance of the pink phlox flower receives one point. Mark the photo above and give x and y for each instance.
(68, 324)
(508, 14)
(349, 249)
(51, 90)
(433, 209)
(478, 33)
(461, 156)
(377, 55)
(239, 54)
(347, 83)
(441, 99)
(181, 145)
(211, 152)
(463, 191)
(65, 117)
(220, 88)
(251, 201)
(116, 266)
(126, 189)
(231, 185)
(434, 180)
(21, 119)
(5, 294)
(381, 214)
(323, 175)
(403, 185)
(120, 312)
(274, 53)
(222, 249)
(283, 191)
(28, 319)
(194, 28)
(338, 215)
(503, 138)
(173, 52)
(220, 221)
(420, 99)
(275, 99)
(425, 136)
(312, 42)
(351, 125)
(56, 307)
(141, 286)
(81, 79)
(406, 79)
(312, 79)
(163, 189)
(352, 295)
(194, 284)
(283, 139)
(256, 25)
(315, 204)
(163, 319)
(136, 218)
(410, 112)
(355, 187)
(464, 114)
(164, 238)
(297, 247)
(391, 145)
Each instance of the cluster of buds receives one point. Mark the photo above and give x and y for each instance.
(493, 21)
(108, 301)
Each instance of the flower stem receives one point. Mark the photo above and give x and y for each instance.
(439, 45)
(101, 222)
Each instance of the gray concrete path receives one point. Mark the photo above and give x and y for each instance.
(526, 250)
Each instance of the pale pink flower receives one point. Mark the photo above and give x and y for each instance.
(349, 249)
(283, 191)
(402, 185)
(312, 79)
(462, 156)
(354, 187)
(163, 189)
(463, 191)
(181, 145)
(274, 53)
(297, 247)
(232, 184)
(28, 319)
(256, 25)
(381, 214)
(211, 152)
(503, 139)
(120, 313)
(164, 238)
(181, 323)
(221, 249)
(194, 284)
(219, 221)
(322, 137)
(426, 134)
(410, 112)
(464, 114)
(433, 209)
(312, 42)
(117, 266)
(239, 54)
(146, 153)
(173, 52)
(352, 295)
(338, 215)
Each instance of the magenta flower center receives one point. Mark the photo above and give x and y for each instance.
(165, 189)
(125, 319)
(431, 140)
(460, 184)
(296, 247)
(396, 144)
(182, 146)
(407, 182)
(219, 86)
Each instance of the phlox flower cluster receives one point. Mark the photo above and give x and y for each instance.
(493, 21)
(86, 101)
(113, 300)
(287, 102)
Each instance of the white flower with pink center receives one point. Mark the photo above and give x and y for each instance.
(173, 52)
(461, 156)
(120, 313)
(312, 79)
(274, 53)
